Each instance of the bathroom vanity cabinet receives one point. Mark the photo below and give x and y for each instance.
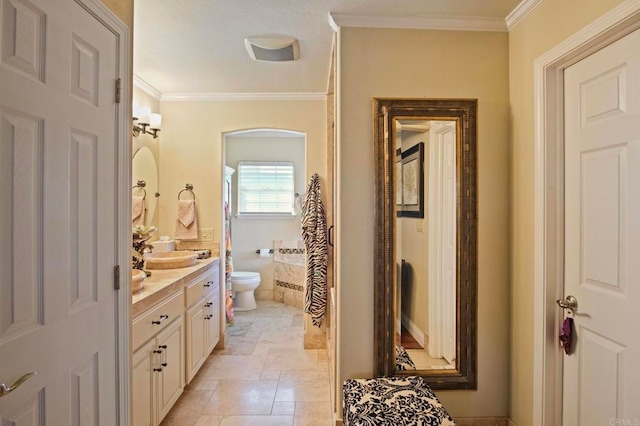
(203, 321)
(176, 325)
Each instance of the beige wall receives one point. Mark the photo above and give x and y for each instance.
(544, 28)
(391, 63)
(123, 9)
(191, 148)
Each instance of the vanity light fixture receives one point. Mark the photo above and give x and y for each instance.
(146, 122)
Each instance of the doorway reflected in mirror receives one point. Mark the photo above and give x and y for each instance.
(426, 293)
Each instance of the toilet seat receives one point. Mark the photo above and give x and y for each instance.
(239, 276)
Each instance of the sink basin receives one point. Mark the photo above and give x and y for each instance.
(137, 279)
(170, 259)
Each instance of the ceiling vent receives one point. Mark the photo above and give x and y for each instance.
(273, 49)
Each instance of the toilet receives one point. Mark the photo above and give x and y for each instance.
(243, 284)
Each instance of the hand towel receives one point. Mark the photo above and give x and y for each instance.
(138, 210)
(186, 211)
(186, 222)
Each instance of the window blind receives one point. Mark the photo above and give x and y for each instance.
(265, 187)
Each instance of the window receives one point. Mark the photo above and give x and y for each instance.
(265, 188)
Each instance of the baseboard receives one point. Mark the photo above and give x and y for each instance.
(482, 421)
(415, 331)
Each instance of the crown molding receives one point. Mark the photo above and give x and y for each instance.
(434, 22)
(146, 87)
(520, 11)
(202, 97)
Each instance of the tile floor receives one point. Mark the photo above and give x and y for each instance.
(263, 376)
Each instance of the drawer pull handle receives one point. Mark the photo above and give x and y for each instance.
(162, 318)
(157, 370)
(208, 317)
(164, 355)
(208, 304)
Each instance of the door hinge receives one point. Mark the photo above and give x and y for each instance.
(118, 89)
(116, 277)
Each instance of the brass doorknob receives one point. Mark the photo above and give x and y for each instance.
(569, 302)
(6, 390)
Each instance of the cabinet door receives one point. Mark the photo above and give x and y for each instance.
(195, 338)
(170, 381)
(212, 326)
(142, 397)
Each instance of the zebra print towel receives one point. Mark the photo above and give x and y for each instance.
(314, 233)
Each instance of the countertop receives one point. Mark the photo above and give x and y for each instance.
(163, 282)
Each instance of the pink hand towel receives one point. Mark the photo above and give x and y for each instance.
(138, 210)
(186, 223)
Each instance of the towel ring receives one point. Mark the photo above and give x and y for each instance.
(141, 184)
(188, 187)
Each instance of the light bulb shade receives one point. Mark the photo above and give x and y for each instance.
(155, 121)
(136, 110)
(144, 115)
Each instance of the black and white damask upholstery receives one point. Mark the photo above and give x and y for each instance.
(403, 360)
(392, 401)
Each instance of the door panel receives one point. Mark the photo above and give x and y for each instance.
(58, 146)
(21, 259)
(143, 382)
(171, 379)
(23, 47)
(602, 233)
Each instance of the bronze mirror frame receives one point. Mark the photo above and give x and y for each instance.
(463, 111)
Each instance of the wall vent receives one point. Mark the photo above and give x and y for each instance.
(272, 49)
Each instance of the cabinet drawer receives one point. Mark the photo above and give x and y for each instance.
(150, 323)
(202, 285)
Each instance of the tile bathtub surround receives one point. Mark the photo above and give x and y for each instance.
(289, 252)
(262, 377)
(289, 278)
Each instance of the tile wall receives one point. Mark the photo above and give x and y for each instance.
(289, 272)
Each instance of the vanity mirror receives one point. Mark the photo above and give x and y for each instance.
(426, 239)
(145, 170)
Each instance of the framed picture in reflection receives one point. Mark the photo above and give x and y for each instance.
(412, 182)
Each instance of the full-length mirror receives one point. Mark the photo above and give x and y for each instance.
(426, 240)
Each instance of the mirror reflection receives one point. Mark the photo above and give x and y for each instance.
(425, 193)
(144, 175)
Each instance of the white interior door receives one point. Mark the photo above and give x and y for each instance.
(58, 137)
(448, 247)
(442, 241)
(601, 380)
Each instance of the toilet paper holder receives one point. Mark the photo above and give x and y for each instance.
(270, 251)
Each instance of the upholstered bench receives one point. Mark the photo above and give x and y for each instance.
(392, 401)
(403, 360)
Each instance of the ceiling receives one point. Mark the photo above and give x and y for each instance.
(197, 46)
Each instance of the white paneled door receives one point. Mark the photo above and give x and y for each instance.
(58, 137)
(601, 383)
